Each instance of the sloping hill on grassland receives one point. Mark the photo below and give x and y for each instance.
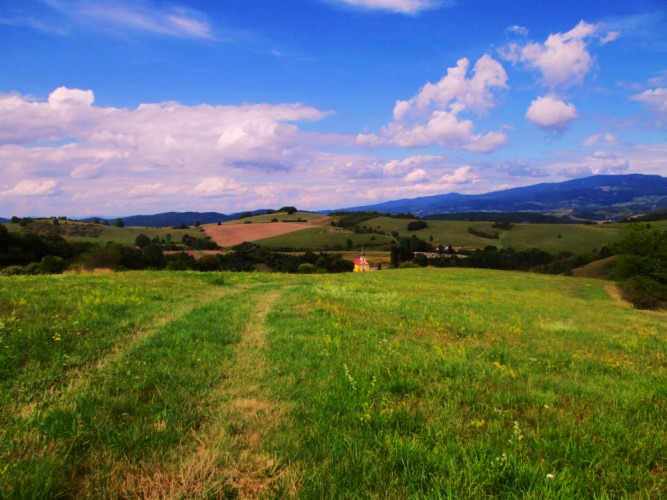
(598, 269)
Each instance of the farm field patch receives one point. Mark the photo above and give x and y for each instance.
(228, 235)
(410, 383)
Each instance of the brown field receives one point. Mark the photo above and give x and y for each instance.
(230, 235)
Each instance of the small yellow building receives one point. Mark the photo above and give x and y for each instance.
(361, 265)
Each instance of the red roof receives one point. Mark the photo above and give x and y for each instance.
(358, 262)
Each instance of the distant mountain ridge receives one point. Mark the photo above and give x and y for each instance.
(170, 219)
(593, 195)
(599, 197)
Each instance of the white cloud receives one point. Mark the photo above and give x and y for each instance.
(218, 186)
(596, 138)
(550, 113)
(417, 175)
(397, 168)
(140, 16)
(655, 100)
(157, 134)
(461, 175)
(563, 59)
(610, 37)
(432, 115)
(399, 6)
(457, 91)
(34, 188)
(519, 30)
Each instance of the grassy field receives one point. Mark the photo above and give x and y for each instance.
(326, 237)
(409, 383)
(280, 216)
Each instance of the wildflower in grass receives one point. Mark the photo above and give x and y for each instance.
(349, 377)
(516, 433)
(550, 476)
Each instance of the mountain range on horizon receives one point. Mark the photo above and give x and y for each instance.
(599, 197)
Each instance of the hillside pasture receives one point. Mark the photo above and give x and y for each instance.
(461, 383)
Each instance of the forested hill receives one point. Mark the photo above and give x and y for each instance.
(172, 219)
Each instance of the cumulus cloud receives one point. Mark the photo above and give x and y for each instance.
(461, 175)
(399, 6)
(417, 175)
(157, 134)
(432, 115)
(551, 114)
(34, 188)
(156, 150)
(563, 59)
(655, 100)
(457, 91)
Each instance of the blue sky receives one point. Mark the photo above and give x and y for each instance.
(120, 107)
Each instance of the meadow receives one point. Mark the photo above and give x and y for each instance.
(453, 383)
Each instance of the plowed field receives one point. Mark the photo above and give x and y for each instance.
(230, 235)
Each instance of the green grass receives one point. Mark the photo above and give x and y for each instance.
(324, 238)
(281, 216)
(455, 383)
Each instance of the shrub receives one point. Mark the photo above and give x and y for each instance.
(306, 268)
(12, 271)
(52, 265)
(416, 225)
(644, 292)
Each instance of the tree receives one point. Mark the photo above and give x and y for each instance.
(15, 220)
(119, 222)
(197, 223)
(289, 210)
(142, 240)
(642, 251)
(96, 220)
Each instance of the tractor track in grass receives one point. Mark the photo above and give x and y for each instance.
(226, 457)
(81, 377)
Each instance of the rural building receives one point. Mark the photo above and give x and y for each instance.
(361, 265)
